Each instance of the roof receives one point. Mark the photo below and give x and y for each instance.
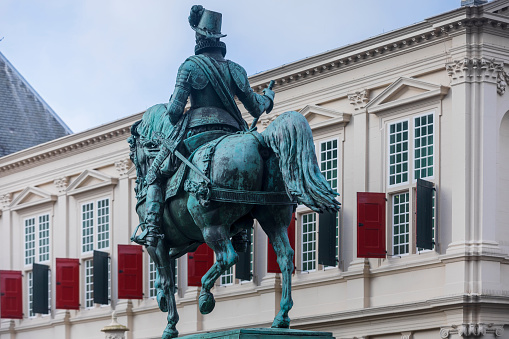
(26, 119)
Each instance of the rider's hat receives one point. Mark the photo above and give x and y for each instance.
(205, 22)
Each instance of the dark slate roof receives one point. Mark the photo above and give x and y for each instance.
(25, 119)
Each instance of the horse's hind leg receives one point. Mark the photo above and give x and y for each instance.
(274, 221)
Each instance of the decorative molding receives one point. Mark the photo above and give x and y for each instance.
(123, 166)
(444, 333)
(75, 143)
(5, 200)
(90, 180)
(377, 49)
(32, 196)
(478, 69)
(332, 117)
(470, 330)
(61, 184)
(407, 335)
(389, 99)
(359, 99)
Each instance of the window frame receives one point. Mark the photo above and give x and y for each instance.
(95, 225)
(411, 184)
(37, 231)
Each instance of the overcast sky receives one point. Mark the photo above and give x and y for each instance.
(96, 61)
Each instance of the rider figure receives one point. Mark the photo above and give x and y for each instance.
(211, 82)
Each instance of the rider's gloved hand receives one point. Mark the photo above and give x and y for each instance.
(269, 94)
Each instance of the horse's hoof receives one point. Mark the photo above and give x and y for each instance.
(170, 332)
(207, 302)
(281, 322)
(162, 300)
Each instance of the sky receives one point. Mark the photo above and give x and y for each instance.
(96, 61)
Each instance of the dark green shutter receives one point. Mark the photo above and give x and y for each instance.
(243, 266)
(40, 288)
(100, 277)
(424, 214)
(327, 239)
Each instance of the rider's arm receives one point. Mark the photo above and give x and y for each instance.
(178, 100)
(255, 103)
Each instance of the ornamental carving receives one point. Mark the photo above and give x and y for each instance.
(122, 167)
(359, 99)
(472, 330)
(61, 184)
(479, 69)
(5, 200)
(444, 333)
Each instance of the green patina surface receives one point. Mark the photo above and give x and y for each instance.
(262, 333)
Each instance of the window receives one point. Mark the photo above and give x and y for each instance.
(227, 277)
(329, 169)
(308, 248)
(95, 223)
(37, 245)
(411, 156)
(30, 284)
(401, 222)
(89, 283)
(398, 153)
(152, 274)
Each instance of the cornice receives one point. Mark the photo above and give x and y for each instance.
(386, 45)
(69, 145)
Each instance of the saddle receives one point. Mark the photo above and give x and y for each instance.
(206, 139)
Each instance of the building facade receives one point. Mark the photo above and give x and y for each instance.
(424, 102)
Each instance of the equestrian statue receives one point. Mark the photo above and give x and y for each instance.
(203, 175)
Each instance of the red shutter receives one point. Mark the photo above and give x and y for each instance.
(272, 265)
(11, 295)
(198, 263)
(68, 284)
(371, 225)
(130, 272)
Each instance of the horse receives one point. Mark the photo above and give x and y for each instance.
(281, 160)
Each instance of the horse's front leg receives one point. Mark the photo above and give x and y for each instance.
(218, 239)
(165, 285)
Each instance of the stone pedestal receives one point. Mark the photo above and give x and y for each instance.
(262, 333)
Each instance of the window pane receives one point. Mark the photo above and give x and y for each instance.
(152, 290)
(29, 241)
(308, 242)
(30, 283)
(400, 226)
(44, 237)
(89, 284)
(87, 222)
(423, 144)
(398, 153)
(227, 277)
(103, 224)
(329, 161)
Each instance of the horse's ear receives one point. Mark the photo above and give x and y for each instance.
(134, 128)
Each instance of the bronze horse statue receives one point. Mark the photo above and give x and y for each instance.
(250, 175)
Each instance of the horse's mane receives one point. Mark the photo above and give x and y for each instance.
(154, 121)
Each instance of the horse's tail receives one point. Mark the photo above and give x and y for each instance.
(291, 139)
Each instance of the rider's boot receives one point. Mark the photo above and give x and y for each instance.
(154, 209)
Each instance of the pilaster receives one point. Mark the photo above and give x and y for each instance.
(6, 229)
(475, 83)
